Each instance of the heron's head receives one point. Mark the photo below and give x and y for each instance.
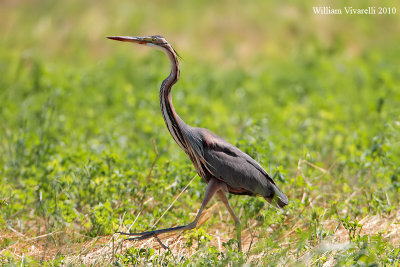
(154, 40)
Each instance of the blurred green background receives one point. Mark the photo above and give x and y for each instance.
(78, 114)
(227, 30)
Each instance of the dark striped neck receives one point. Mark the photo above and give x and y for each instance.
(174, 123)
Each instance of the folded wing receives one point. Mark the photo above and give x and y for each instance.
(242, 174)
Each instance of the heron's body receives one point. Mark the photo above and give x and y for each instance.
(224, 167)
(227, 163)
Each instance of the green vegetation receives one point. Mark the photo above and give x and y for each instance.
(315, 99)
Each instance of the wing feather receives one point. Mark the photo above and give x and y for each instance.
(238, 170)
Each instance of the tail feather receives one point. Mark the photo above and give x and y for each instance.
(279, 198)
(282, 201)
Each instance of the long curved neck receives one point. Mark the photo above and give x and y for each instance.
(174, 123)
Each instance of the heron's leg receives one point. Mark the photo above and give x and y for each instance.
(212, 187)
(222, 197)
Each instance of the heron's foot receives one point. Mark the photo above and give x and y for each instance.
(139, 236)
(155, 233)
(143, 236)
(161, 243)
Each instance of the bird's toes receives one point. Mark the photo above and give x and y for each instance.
(150, 233)
(135, 238)
(141, 236)
(123, 233)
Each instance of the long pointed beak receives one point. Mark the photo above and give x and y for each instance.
(137, 40)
